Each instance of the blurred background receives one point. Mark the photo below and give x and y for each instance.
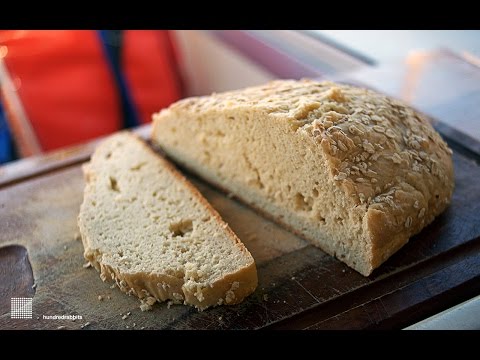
(65, 87)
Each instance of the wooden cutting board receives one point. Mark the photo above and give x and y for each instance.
(299, 285)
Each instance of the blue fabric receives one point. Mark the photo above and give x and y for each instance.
(112, 44)
(6, 143)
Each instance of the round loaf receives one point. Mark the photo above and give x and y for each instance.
(353, 171)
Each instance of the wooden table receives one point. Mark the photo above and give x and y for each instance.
(300, 287)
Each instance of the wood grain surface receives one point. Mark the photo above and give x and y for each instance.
(300, 287)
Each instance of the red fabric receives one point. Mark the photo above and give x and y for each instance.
(150, 73)
(65, 85)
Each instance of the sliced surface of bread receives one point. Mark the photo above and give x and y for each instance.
(355, 172)
(144, 226)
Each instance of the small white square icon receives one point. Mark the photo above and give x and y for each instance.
(21, 308)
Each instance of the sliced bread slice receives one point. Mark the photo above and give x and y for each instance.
(146, 227)
(353, 171)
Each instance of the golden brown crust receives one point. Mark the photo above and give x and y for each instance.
(230, 290)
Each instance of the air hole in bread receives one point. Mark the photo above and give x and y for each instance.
(138, 166)
(255, 181)
(303, 203)
(260, 183)
(114, 184)
(315, 192)
(321, 219)
(181, 228)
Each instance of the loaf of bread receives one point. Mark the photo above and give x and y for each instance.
(351, 170)
(149, 230)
